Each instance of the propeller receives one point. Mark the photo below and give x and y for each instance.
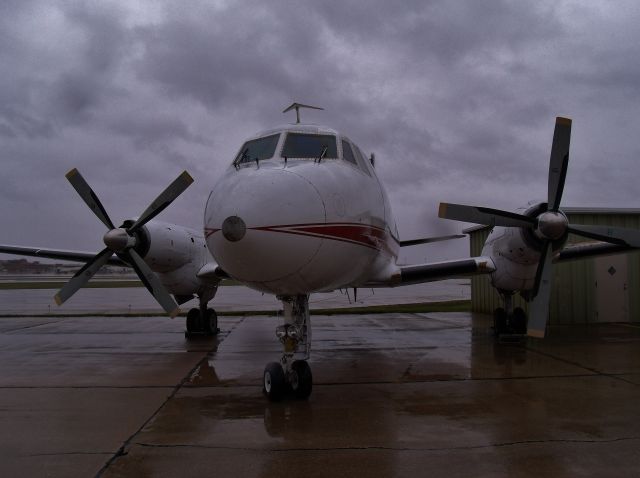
(122, 240)
(551, 226)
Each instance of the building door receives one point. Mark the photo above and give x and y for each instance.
(612, 303)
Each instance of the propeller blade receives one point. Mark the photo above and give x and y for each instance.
(484, 215)
(165, 198)
(83, 275)
(153, 284)
(559, 162)
(89, 197)
(615, 235)
(539, 308)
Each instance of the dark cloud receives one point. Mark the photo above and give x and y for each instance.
(457, 99)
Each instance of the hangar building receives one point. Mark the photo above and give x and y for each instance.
(600, 289)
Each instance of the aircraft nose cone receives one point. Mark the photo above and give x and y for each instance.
(255, 220)
(233, 228)
(116, 239)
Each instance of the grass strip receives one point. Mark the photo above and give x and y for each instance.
(418, 307)
(97, 284)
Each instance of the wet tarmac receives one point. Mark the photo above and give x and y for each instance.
(231, 298)
(394, 395)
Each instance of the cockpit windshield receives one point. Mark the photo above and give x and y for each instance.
(301, 145)
(261, 148)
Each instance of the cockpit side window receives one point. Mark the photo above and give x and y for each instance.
(347, 153)
(261, 148)
(361, 161)
(301, 145)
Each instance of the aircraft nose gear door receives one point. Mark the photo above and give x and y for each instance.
(292, 373)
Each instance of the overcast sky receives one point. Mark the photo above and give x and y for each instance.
(457, 99)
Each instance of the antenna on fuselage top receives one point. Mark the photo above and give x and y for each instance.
(297, 107)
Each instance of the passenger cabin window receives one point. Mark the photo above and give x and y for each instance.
(347, 154)
(300, 145)
(261, 148)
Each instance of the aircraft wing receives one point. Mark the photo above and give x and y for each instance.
(434, 271)
(429, 240)
(64, 255)
(583, 250)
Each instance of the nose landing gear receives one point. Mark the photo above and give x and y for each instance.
(292, 373)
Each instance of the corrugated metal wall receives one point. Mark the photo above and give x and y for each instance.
(573, 298)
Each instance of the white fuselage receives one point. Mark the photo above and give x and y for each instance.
(301, 225)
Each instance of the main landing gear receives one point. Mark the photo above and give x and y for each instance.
(509, 321)
(292, 374)
(202, 321)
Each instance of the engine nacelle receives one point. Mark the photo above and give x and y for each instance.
(175, 253)
(167, 247)
(515, 261)
(516, 252)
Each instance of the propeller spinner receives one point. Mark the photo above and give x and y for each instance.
(122, 240)
(551, 226)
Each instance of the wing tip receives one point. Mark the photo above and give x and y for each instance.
(442, 210)
(71, 173)
(563, 121)
(58, 299)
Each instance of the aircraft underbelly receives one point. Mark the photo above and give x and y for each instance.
(337, 264)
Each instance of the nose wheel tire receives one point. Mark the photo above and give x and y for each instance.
(301, 380)
(274, 383)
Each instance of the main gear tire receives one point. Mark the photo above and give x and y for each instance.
(301, 380)
(274, 384)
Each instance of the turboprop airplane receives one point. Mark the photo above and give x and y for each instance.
(301, 210)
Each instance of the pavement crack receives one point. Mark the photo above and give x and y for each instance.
(403, 381)
(32, 326)
(590, 369)
(71, 453)
(122, 451)
(558, 441)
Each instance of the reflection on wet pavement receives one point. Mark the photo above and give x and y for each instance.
(394, 395)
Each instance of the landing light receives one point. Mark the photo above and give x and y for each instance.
(293, 332)
(281, 331)
(288, 330)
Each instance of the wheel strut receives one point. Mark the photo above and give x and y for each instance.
(295, 336)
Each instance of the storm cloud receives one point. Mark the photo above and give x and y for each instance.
(457, 100)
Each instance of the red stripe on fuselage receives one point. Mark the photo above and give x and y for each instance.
(364, 235)
(369, 236)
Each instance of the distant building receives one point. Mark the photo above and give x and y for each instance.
(23, 266)
(26, 267)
